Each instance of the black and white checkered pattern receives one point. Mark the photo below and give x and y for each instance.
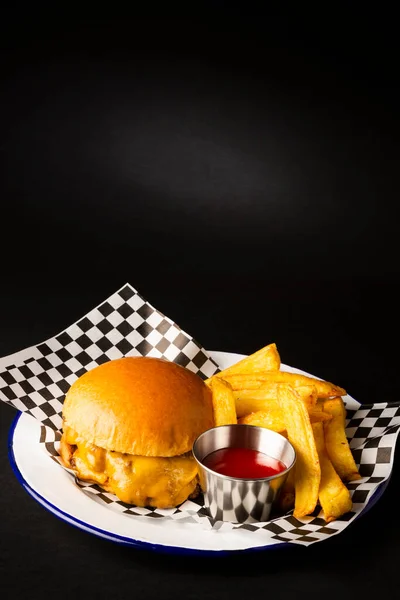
(374, 457)
(371, 421)
(123, 325)
(36, 380)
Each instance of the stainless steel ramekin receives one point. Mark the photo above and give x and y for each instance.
(235, 499)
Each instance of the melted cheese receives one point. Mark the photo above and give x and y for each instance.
(139, 480)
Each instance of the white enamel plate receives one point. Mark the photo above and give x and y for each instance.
(54, 489)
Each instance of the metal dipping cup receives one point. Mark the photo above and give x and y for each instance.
(240, 500)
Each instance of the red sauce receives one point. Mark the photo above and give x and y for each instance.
(243, 463)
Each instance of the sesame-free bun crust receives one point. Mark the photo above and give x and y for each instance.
(139, 405)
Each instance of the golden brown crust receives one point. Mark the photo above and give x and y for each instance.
(139, 405)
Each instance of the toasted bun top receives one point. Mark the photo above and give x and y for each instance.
(139, 405)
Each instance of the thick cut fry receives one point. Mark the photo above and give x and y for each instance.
(266, 398)
(270, 419)
(308, 394)
(249, 381)
(223, 403)
(334, 497)
(255, 380)
(287, 493)
(319, 405)
(300, 434)
(267, 392)
(337, 445)
(319, 416)
(265, 359)
(246, 403)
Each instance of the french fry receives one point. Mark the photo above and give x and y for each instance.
(270, 419)
(223, 402)
(337, 445)
(266, 398)
(300, 434)
(308, 394)
(255, 380)
(247, 381)
(308, 411)
(265, 359)
(266, 392)
(334, 497)
(319, 405)
(287, 493)
(319, 416)
(249, 402)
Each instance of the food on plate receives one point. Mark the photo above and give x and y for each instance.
(246, 404)
(334, 497)
(253, 381)
(270, 419)
(287, 495)
(247, 381)
(308, 394)
(300, 434)
(266, 397)
(129, 425)
(319, 416)
(311, 413)
(265, 359)
(223, 402)
(337, 445)
(273, 418)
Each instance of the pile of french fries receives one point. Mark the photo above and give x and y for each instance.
(309, 412)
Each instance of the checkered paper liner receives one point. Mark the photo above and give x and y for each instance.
(35, 381)
(373, 454)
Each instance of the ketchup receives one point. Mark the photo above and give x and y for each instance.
(243, 463)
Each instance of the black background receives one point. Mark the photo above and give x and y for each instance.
(239, 170)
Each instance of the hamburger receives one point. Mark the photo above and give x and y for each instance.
(129, 425)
